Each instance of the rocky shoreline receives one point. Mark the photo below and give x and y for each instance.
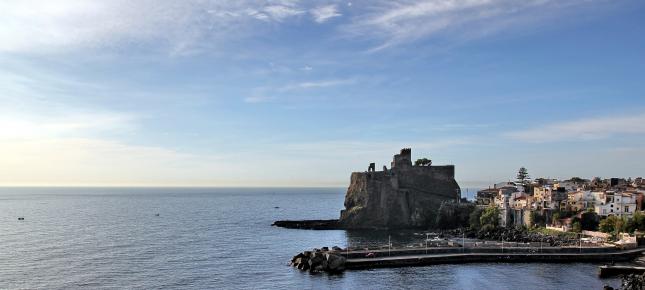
(632, 282)
(511, 235)
(319, 260)
(309, 224)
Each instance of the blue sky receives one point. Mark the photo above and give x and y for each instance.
(301, 93)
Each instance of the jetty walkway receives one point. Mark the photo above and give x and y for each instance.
(417, 257)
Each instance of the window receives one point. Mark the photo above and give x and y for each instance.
(627, 209)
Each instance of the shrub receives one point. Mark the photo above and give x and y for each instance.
(490, 216)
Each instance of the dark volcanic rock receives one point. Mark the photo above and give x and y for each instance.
(633, 282)
(405, 196)
(319, 261)
(309, 224)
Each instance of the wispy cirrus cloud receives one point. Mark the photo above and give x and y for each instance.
(63, 25)
(277, 12)
(583, 129)
(267, 94)
(323, 13)
(196, 25)
(397, 22)
(317, 84)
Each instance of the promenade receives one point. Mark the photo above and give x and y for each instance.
(405, 258)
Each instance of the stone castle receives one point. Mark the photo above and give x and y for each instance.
(404, 196)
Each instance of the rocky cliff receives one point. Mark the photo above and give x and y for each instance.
(404, 196)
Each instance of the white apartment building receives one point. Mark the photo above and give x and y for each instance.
(614, 203)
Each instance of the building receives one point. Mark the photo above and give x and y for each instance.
(568, 185)
(550, 197)
(615, 203)
(514, 207)
(582, 200)
(486, 196)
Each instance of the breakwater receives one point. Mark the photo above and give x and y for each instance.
(309, 224)
(386, 258)
(491, 257)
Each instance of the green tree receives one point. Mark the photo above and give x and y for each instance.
(522, 174)
(452, 215)
(639, 221)
(589, 221)
(576, 227)
(577, 180)
(445, 217)
(608, 225)
(423, 162)
(537, 218)
(490, 217)
(473, 219)
(555, 217)
(620, 225)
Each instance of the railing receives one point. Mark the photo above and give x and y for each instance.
(572, 245)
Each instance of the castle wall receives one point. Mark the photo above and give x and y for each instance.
(403, 197)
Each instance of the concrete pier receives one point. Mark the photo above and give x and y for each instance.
(562, 255)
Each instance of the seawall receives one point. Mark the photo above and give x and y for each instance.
(511, 257)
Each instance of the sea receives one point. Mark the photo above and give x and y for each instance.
(217, 238)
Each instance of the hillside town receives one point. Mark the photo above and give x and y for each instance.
(610, 205)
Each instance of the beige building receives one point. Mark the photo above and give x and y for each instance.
(582, 200)
(550, 197)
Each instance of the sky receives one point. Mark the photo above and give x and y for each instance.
(301, 93)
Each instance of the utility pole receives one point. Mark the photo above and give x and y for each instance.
(347, 250)
(426, 243)
(389, 244)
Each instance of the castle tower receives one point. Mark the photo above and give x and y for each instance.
(403, 159)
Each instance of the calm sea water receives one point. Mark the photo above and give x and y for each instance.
(111, 238)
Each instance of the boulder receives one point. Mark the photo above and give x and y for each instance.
(296, 258)
(318, 261)
(335, 263)
(315, 261)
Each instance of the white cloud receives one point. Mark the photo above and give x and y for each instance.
(257, 99)
(266, 94)
(323, 13)
(196, 25)
(396, 22)
(59, 25)
(583, 129)
(318, 84)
